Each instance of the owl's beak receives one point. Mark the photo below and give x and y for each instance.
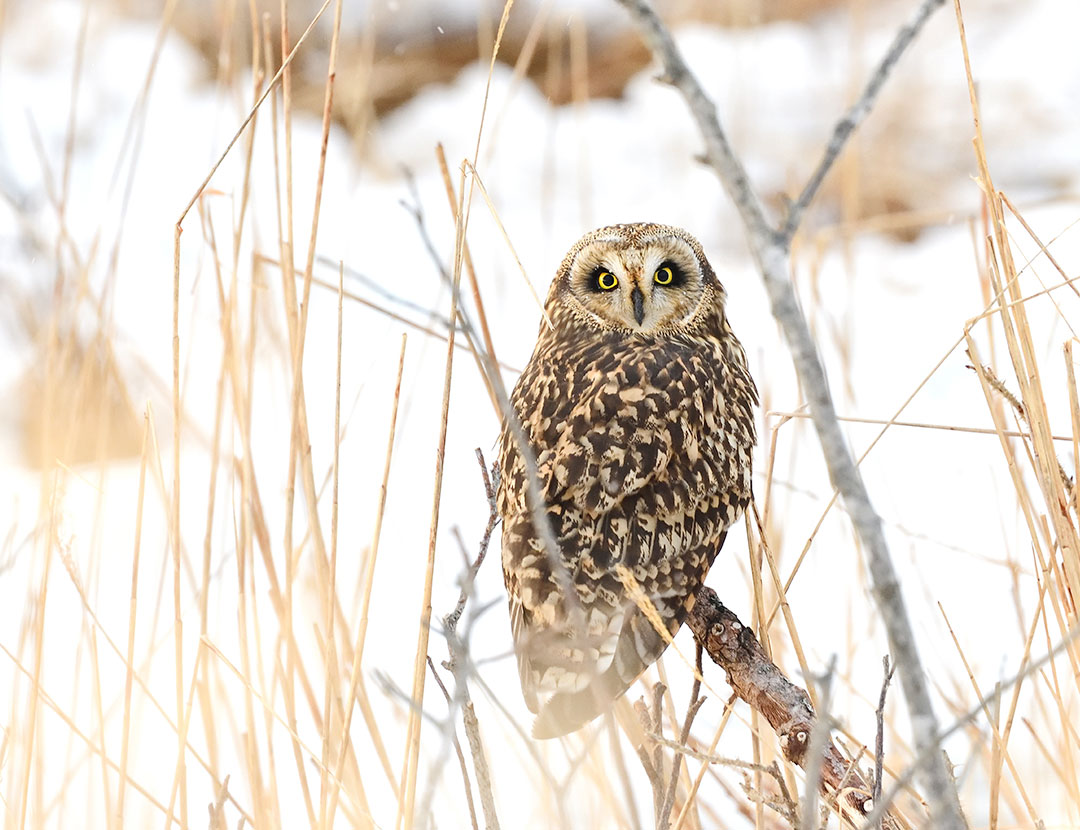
(639, 304)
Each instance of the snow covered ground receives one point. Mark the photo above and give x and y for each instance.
(886, 311)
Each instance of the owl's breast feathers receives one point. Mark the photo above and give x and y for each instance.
(643, 449)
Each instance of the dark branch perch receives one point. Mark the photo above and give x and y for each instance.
(757, 680)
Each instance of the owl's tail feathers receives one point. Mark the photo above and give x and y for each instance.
(567, 712)
(638, 647)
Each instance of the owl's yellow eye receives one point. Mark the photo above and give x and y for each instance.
(664, 275)
(606, 280)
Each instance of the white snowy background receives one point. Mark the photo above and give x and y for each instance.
(886, 308)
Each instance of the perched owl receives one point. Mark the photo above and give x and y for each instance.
(639, 411)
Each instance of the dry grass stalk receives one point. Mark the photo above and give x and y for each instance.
(1000, 742)
(919, 425)
(331, 679)
(1052, 526)
(1017, 331)
(31, 721)
(355, 684)
(452, 199)
(131, 624)
(409, 773)
(91, 744)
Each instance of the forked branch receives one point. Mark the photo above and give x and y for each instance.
(770, 245)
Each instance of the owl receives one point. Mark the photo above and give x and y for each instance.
(638, 409)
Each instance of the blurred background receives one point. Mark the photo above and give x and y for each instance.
(216, 594)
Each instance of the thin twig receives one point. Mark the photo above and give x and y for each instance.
(649, 762)
(856, 115)
(676, 763)
(658, 727)
(457, 744)
(417, 212)
(483, 774)
(460, 665)
(377, 287)
(489, 370)
(450, 621)
(786, 807)
(879, 742)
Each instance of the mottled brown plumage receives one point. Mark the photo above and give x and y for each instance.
(638, 409)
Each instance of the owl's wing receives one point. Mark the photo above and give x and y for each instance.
(520, 627)
(633, 646)
(553, 655)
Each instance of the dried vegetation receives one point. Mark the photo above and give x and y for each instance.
(288, 696)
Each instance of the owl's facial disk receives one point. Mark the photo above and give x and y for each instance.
(642, 288)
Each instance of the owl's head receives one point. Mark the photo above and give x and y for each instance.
(639, 279)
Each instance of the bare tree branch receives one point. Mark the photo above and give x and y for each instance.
(459, 660)
(718, 151)
(770, 247)
(856, 115)
(652, 764)
(461, 666)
